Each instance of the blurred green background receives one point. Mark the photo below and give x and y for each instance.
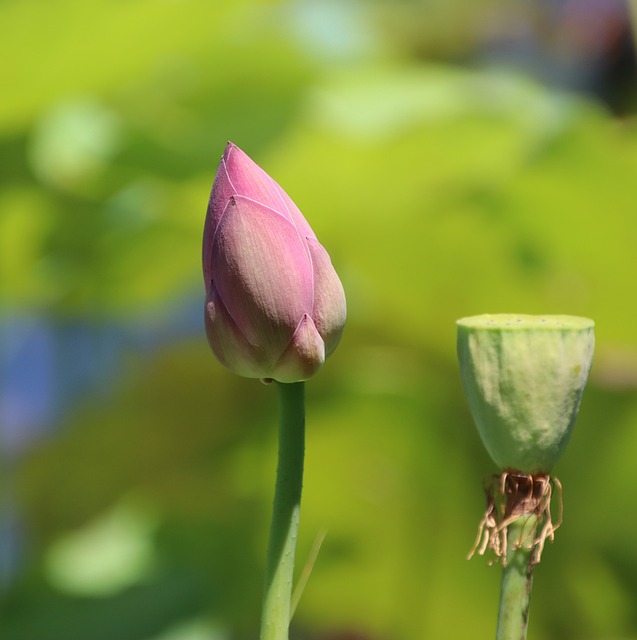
(455, 158)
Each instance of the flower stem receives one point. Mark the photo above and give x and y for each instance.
(285, 514)
(517, 579)
(632, 7)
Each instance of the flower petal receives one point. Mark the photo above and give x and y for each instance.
(228, 343)
(222, 190)
(304, 355)
(248, 179)
(330, 309)
(239, 175)
(294, 215)
(262, 271)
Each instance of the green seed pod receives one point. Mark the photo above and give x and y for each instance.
(524, 377)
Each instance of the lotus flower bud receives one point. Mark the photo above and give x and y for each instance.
(275, 307)
(524, 377)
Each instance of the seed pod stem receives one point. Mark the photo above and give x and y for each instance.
(515, 526)
(517, 579)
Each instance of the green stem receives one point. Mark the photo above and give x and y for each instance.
(632, 6)
(517, 580)
(285, 514)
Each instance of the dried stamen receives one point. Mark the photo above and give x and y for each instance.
(513, 495)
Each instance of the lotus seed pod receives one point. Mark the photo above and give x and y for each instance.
(524, 377)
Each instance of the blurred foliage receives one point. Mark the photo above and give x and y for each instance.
(439, 191)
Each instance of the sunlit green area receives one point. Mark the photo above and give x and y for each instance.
(137, 474)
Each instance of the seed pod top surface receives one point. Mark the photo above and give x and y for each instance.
(524, 377)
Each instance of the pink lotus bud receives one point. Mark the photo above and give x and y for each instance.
(275, 307)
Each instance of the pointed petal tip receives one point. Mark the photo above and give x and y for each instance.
(240, 166)
(304, 355)
(231, 148)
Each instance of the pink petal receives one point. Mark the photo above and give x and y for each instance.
(228, 342)
(250, 180)
(238, 174)
(304, 355)
(262, 271)
(295, 215)
(330, 309)
(222, 191)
